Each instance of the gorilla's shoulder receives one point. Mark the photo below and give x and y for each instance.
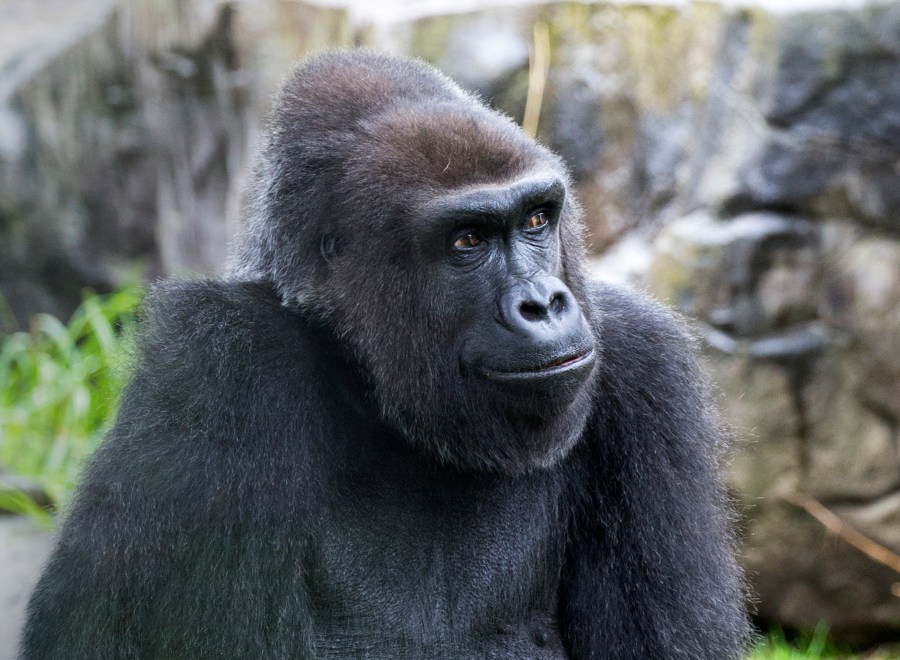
(216, 318)
(627, 312)
(218, 338)
(217, 361)
(643, 343)
(188, 305)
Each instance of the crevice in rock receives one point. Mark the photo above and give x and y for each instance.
(882, 413)
(798, 377)
(889, 419)
(785, 120)
(851, 502)
(797, 342)
(740, 204)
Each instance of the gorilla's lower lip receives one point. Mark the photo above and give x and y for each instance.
(561, 366)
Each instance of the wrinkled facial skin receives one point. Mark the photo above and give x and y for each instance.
(481, 352)
(523, 332)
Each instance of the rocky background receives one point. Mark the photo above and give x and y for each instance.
(740, 163)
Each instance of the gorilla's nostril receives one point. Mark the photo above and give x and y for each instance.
(557, 303)
(532, 311)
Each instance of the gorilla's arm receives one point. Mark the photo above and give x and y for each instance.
(649, 571)
(83, 605)
(179, 540)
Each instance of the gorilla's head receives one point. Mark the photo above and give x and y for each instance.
(441, 244)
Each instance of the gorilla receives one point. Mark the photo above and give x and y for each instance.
(404, 424)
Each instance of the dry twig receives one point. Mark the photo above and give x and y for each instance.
(538, 69)
(834, 525)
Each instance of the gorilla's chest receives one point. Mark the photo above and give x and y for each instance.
(439, 567)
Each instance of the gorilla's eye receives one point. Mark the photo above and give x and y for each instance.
(466, 241)
(537, 220)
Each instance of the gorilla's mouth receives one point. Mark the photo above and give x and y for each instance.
(564, 365)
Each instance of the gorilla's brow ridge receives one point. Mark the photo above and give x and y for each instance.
(501, 202)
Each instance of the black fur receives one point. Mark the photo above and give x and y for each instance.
(305, 465)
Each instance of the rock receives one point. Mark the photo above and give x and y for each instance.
(746, 276)
(803, 575)
(486, 52)
(805, 116)
(864, 302)
(125, 133)
(24, 548)
(42, 223)
(800, 318)
(86, 191)
(486, 56)
(764, 421)
(626, 262)
(852, 452)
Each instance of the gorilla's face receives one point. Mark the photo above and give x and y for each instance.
(462, 294)
(522, 337)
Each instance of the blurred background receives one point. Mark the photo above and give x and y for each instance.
(740, 161)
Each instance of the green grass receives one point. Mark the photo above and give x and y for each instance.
(814, 645)
(59, 387)
(810, 647)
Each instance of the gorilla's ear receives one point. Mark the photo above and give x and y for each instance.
(286, 239)
(330, 248)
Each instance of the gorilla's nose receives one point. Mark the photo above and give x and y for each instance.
(534, 310)
(541, 310)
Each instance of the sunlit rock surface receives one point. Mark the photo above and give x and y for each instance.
(24, 547)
